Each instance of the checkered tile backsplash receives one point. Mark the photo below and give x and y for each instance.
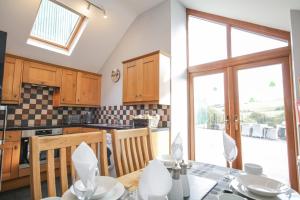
(108, 114)
(36, 109)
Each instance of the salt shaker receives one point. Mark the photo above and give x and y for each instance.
(176, 192)
(184, 179)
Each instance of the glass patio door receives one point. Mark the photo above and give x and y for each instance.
(209, 117)
(253, 104)
(260, 117)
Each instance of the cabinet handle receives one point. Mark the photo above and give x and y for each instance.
(15, 96)
(136, 95)
(78, 100)
(63, 99)
(15, 147)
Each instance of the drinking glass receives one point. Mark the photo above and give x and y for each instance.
(230, 160)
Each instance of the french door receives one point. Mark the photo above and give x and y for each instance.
(253, 103)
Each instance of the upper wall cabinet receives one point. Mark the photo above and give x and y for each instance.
(78, 89)
(88, 89)
(72, 87)
(12, 80)
(41, 74)
(68, 87)
(147, 79)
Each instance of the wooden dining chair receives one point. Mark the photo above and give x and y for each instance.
(62, 143)
(132, 149)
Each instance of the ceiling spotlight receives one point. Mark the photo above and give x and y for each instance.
(96, 6)
(104, 15)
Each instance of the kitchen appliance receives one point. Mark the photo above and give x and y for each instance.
(71, 119)
(3, 109)
(24, 150)
(87, 117)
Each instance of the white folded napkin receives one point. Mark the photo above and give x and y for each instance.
(177, 148)
(155, 182)
(230, 149)
(85, 163)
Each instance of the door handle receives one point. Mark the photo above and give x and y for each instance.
(236, 122)
(227, 123)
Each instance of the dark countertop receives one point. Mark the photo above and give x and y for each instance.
(100, 126)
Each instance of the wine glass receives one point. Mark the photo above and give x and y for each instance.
(230, 157)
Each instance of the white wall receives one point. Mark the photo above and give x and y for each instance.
(295, 19)
(179, 116)
(149, 32)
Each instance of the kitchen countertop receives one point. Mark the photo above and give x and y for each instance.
(100, 126)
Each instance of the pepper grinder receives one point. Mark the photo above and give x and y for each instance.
(176, 192)
(184, 179)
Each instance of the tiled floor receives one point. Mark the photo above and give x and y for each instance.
(18, 194)
(24, 193)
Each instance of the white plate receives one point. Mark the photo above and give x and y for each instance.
(227, 196)
(116, 192)
(235, 185)
(262, 185)
(106, 186)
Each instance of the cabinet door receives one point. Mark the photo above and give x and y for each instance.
(11, 158)
(12, 80)
(11, 155)
(131, 81)
(72, 130)
(68, 87)
(149, 76)
(36, 73)
(88, 89)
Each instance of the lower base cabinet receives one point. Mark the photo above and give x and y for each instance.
(11, 155)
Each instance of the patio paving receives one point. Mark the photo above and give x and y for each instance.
(271, 154)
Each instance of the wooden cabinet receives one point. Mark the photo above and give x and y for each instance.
(130, 81)
(88, 89)
(147, 79)
(72, 87)
(11, 155)
(41, 74)
(78, 89)
(68, 87)
(72, 130)
(12, 80)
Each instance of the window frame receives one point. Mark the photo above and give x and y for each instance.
(242, 25)
(282, 54)
(74, 32)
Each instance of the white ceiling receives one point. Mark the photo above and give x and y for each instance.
(102, 36)
(96, 43)
(272, 13)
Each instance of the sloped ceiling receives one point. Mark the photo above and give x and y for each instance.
(96, 43)
(272, 13)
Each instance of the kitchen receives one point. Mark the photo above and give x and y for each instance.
(74, 70)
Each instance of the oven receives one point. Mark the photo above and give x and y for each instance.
(25, 149)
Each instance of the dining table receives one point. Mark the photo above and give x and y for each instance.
(218, 174)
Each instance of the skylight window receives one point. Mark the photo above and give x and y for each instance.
(56, 26)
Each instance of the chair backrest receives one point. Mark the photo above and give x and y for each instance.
(132, 149)
(64, 143)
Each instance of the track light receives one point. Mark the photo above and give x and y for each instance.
(96, 6)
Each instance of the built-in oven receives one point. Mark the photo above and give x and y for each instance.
(25, 149)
